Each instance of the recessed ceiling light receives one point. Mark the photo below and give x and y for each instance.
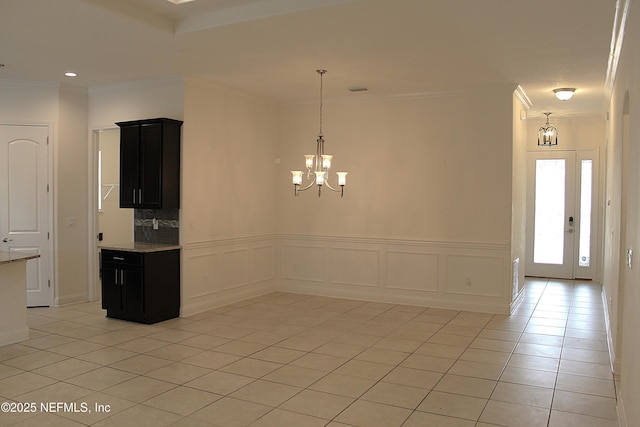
(70, 74)
(564, 93)
(179, 1)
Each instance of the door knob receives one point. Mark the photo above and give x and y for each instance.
(6, 240)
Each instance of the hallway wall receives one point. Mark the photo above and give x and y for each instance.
(623, 220)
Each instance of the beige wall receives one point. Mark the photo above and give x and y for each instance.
(144, 99)
(426, 215)
(72, 203)
(521, 106)
(228, 215)
(622, 222)
(228, 164)
(430, 168)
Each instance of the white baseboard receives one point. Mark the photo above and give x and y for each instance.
(392, 297)
(71, 299)
(622, 416)
(616, 365)
(223, 298)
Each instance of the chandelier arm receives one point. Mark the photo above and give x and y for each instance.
(326, 184)
(311, 184)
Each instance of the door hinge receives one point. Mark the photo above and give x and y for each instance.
(48, 236)
(49, 282)
(47, 140)
(47, 188)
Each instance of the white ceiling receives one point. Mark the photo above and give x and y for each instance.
(272, 48)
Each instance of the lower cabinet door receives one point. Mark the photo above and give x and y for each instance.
(111, 289)
(133, 294)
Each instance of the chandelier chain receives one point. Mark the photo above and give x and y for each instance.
(321, 72)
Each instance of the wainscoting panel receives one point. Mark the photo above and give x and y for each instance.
(416, 271)
(216, 273)
(234, 268)
(263, 262)
(351, 266)
(457, 275)
(479, 275)
(302, 262)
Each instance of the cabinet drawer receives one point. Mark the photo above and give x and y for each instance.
(121, 257)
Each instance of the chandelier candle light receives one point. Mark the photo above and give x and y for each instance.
(319, 163)
(548, 134)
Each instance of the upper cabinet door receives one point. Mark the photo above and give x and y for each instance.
(129, 161)
(150, 172)
(150, 164)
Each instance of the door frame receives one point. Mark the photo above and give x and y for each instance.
(51, 206)
(95, 285)
(578, 272)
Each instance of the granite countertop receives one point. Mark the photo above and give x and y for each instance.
(140, 247)
(7, 257)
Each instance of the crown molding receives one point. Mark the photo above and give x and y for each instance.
(617, 38)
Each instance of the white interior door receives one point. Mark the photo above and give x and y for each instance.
(24, 224)
(560, 199)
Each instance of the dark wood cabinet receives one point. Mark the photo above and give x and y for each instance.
(150, 164)
(141, 287)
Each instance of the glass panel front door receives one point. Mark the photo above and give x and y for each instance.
(560, 201)
(548, 242)
(551, 214)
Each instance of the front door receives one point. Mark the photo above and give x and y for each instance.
(24, 203)
(560, 199)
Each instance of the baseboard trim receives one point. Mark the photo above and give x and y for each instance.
(392, 297)
(622, 416)
(71, 299)
(615, 364)
(219, 299)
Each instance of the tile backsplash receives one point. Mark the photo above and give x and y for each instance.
(168, 231)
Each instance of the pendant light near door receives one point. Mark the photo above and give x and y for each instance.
(548, 134)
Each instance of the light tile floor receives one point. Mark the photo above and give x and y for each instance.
(295, 360)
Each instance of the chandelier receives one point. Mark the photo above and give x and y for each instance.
(318, 164)
(548, 134)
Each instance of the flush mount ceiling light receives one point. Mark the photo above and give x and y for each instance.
(564, 93)
(179, 1)
(71, 74)
(548, 134)
(319, 163)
